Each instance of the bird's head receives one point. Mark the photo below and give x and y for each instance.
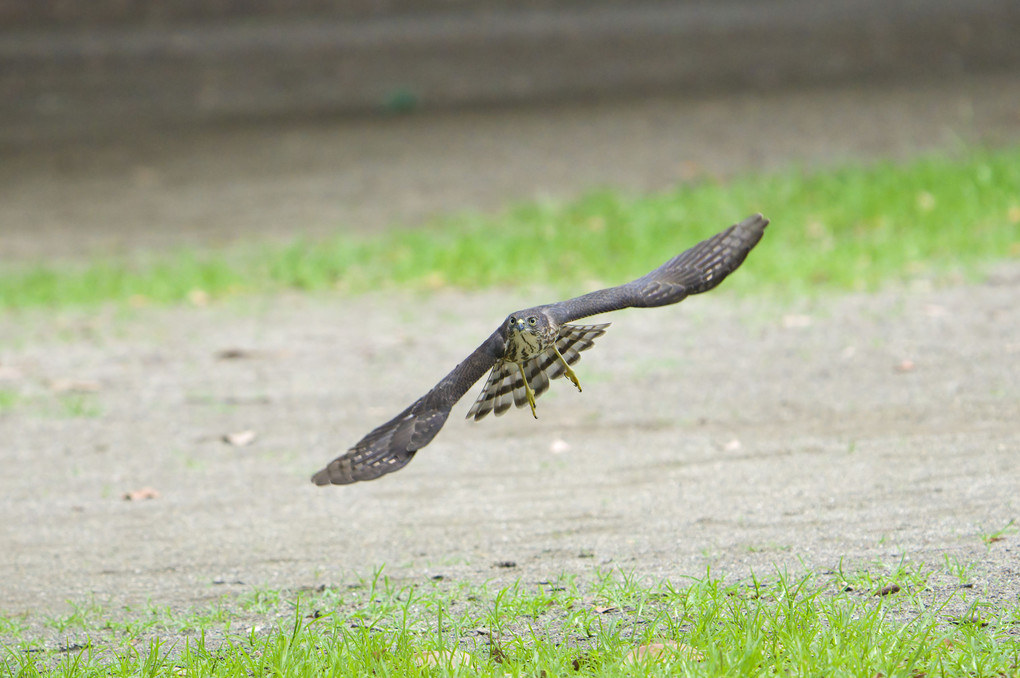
(526, 322)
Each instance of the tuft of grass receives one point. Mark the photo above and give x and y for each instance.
(854, 227)
(786, 625)
(77, 405)
(998, 535)
(9, 399)
(61, 405)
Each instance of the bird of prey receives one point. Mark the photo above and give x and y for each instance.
(534, 346)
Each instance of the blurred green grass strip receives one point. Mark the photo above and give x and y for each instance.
(850, 228)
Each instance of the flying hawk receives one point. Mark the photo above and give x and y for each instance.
(534, 346)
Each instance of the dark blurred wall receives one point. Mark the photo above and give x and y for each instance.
(93, 12)
(69, 67)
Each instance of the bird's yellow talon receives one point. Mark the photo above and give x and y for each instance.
(528, 391)
(567, 371)
(573, 377)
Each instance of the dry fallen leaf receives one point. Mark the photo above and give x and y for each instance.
(792, 320)
(559, 446)
(8, 373)
(198, 297)
(143, 493)
(925, 201)
(233, 354)
(496, 653)
(604, 610)
(665, 651)
(240, 438)
(435, 280)
(581, 661)
(74, 386)
(433, 658)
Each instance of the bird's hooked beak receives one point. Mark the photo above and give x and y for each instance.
(520, 325)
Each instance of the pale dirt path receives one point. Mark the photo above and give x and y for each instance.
(748, 439)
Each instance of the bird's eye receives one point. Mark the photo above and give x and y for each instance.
(513, 320)
(532, 320)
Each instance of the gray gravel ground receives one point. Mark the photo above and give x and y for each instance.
(761, 433)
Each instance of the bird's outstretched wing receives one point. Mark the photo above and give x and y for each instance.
(389, 447)
(697, 270)
(505, 385)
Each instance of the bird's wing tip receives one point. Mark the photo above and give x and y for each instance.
(756, 219)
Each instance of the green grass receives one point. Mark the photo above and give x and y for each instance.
(832, 624)
(8, 400)
(58, 405)
(78, 405)
(854, 227)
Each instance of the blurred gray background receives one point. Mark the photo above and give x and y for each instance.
(72, 66)
(128, 125)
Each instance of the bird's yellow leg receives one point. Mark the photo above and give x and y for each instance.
(528, 391)
(567, 371)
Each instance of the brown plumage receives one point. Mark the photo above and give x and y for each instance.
(534, 346)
